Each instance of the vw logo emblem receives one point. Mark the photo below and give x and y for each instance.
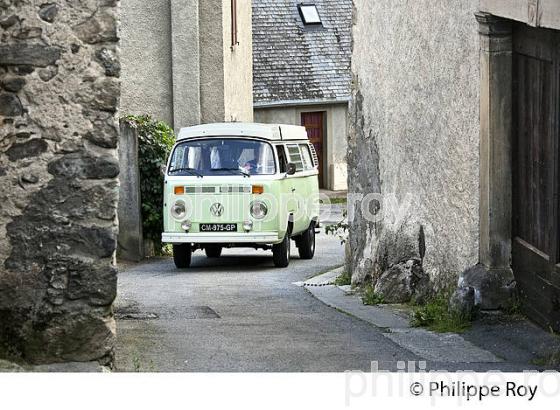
(217, 209)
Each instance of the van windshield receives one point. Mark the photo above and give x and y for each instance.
(222, 156)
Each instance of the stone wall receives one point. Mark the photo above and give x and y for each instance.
(59, 77)
(415, 135)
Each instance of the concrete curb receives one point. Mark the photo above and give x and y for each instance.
(395, 324)
(324, 279)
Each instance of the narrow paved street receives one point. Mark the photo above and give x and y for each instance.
(239, 313)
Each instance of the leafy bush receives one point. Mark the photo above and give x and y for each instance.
(436, 316)
(155, 141)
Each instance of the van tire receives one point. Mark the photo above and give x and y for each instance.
(306, 243)
(281, 253)
(182, 255)
(213, 251)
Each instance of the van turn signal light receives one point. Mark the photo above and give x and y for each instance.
(179, 190)
(258, 189)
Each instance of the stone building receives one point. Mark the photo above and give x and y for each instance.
(187, 62)
(59, 93)
(301, 74)
(454, 123)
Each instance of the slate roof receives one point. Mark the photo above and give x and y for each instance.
(292, 61)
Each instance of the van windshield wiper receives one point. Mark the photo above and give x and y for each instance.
(233, 170)
(192, 171)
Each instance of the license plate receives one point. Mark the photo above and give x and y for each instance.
(218, 227)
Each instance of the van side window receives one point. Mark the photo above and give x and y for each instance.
(306, 157)
(295, 156)
(283, 163)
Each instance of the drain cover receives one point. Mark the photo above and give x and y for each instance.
(198, 312)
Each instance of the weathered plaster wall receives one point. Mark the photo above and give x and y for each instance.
(542, 13)
(186, 63)
(178, 64)
(415, 131)
(146, 59)
(212, 75)
(59, 79)
(336, 137)
(238, 89)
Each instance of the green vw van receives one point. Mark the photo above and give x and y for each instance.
(241, 185)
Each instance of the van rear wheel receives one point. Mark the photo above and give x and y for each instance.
(281, 253)
(182, 255)
(306, 243)
(213, 251)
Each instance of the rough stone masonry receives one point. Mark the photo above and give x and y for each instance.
(59, 93)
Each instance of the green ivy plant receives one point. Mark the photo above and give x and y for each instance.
(155, 141)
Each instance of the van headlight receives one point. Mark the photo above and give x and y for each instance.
(179, 209)
(258, 209)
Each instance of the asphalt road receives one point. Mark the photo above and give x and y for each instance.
(239, 313)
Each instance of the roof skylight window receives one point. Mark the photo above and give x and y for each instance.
(309, 14)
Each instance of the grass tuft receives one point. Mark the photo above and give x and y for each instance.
(370, 297)
(344, 279)
(550, 360)
(338, 201)
(436, 316)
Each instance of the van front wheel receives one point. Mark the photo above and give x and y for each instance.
(281, 253)
(306, 243)
(182, 255)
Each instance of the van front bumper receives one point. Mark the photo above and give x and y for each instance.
(211, 237)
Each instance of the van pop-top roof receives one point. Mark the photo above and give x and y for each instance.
(273, 132)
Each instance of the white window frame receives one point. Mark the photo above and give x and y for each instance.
(309, 14)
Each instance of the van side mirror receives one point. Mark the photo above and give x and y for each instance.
(291, 169)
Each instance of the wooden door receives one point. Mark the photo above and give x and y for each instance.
(314, 124)
(536, 115)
